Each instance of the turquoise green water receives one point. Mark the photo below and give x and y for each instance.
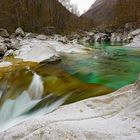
(110, 65)
(30, 90)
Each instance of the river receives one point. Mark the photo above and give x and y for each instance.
(29, 90)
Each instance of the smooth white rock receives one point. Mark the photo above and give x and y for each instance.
(36, 53)
(135, 43)
(111, 117)
(19, 32)
(32, 49)
(135, 32)
(4, 32)
(9, 53)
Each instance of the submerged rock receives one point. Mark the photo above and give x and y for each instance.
(52, 60)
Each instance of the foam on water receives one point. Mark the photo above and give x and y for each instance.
(24, 106)
(36, 87)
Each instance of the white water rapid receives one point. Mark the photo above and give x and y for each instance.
(23, 107)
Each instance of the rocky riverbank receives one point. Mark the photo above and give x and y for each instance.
(36, 47)
(124, 34)
(22, 45)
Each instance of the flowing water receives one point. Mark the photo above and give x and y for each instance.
(111, 66)
(29, 90)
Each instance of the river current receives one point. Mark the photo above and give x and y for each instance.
(29, 90)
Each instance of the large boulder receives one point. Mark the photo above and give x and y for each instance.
(1, 39)
(9, 53)
(4, 33)
(135, 32)
(135, 42)
(129, 36)
(116, 37)
(3, 49)
(41, 37)
(130, 26)
(134, 37)
(35, 50)
(15, 44)
(101, 37)
(19, 32)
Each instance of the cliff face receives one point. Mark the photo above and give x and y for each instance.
(34, 15)
(114, 13)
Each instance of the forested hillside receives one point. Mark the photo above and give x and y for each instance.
(36, 15)
(114, 13)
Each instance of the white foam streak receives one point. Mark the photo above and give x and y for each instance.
(16, 111)
(36, 88)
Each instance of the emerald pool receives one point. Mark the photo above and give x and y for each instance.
(113, 66)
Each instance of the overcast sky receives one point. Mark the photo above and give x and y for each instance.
(83, 4)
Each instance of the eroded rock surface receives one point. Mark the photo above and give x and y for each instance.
(111, 117)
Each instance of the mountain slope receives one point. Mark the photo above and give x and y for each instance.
(34, 15)
(114, 13)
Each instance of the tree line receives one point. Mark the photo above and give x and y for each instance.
(35, 15)
(127, 11)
